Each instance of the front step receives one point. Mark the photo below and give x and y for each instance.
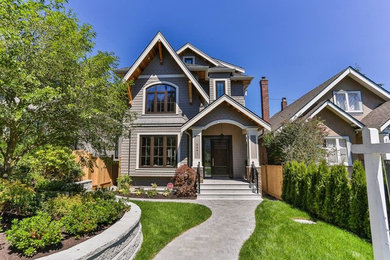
(228, 189)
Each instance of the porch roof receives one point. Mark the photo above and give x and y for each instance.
(231, 102)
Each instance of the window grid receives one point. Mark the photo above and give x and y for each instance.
(338, 151)
(349, 101)
(158, 151)
(160, 99)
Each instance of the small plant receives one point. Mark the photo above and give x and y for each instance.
(140, 192)
(62, 205)
(32, 234)
(124, 183)
(153, 191)
(80, 220)
(1, 225)
(166, 193)
(184, 181)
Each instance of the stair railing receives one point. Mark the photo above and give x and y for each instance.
(198, 178)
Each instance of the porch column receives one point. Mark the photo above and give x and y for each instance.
(196, 147)
(253, 146)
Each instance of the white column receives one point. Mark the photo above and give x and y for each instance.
(376, 197)
(252, 137)
(196, 147)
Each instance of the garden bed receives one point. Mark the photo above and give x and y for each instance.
(7, 253)
(158, 196)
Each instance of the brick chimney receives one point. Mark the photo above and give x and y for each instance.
(264, 98)
(284, 103)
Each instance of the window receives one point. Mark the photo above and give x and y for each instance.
(220, 87)
(189, 59)
(338, 150)
(158, 151)
(160, 99)
(350, 101)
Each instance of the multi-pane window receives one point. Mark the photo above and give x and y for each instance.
(220, 87)
(350, 101)
(160, 99)
(337, 150)
(158, 151)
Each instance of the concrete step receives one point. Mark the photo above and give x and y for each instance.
(224, 185)
(230, 196)
(226, 191)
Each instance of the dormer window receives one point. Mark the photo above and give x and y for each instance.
(220, 88)
(189, 59)
(349, 101)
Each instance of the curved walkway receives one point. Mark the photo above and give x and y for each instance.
(219, 237)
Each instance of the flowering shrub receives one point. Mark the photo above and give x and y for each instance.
(184, 181)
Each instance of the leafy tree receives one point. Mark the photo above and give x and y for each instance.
(52, 89)
(359, 221)
(299, 140)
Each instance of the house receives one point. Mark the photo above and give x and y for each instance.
(345, 103)
(191, 110)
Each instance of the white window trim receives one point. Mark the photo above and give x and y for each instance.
(215, 87)
(157, 83)
(349, 150)
(191, 57)
(346, 92)
(155, 134)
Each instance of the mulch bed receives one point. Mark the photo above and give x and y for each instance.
(8, 253)
(158, 196)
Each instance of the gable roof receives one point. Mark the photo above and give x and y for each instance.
(229, 65)
(197, 51)
(301, 105)
(379, 117)
(233, 103)
(160, 38)
(335, 109)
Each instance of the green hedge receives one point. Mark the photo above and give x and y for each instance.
(328, 193)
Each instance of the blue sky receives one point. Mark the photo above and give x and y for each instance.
(296, 44)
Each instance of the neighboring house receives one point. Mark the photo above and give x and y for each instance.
(190, 110)
(346, 103)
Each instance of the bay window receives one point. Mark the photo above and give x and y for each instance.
(158, 151)
(349, 101)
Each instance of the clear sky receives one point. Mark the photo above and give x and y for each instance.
(296, 44)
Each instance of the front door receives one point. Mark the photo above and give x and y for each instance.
(218, 156)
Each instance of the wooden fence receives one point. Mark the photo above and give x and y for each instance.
(102, 171)
(272, 180)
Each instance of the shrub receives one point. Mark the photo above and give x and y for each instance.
(80, 220)
(293, 183)
(34, 233)
(359, 221)
(54, 164)
(343, 193)
(124, 183)
(300, 182)
(320, 179)
(62, 205)
(140, 191)
(153, 191)
(184, 181)
(286, 185)
(17, 198)
(166, 193)
(308, 189)
(330, 196)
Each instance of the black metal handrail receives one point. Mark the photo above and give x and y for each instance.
(198, 177)
(255, 176)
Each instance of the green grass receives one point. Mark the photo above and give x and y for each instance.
(163, 221)
(277, 236)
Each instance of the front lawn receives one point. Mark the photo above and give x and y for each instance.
(163, 221)
(277, 236)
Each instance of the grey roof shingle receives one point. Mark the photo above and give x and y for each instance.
(378, 117)
(282, 116)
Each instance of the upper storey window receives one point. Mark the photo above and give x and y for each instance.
(350, 101)
(220, 88)
(189, 59)
(160, 98)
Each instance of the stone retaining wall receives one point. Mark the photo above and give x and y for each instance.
(120, 241)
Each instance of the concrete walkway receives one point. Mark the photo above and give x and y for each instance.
(220, 237)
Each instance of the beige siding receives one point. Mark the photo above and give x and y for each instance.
(238, 145)
(370, 100)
